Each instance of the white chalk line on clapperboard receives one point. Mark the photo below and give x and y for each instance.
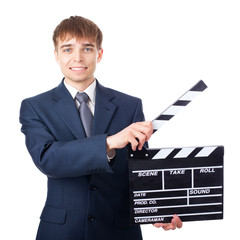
(180, 215)
(177, 189)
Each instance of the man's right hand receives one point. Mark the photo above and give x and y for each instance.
(136, 134)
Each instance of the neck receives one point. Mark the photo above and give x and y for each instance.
(80, 85)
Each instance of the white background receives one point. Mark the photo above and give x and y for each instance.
(155, 50)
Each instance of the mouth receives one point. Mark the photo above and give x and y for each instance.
(78, 69)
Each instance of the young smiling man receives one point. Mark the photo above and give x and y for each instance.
(87, 170)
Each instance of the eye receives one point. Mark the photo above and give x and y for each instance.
(88, 49)
(67, 50)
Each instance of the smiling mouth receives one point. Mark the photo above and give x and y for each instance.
(78, 69)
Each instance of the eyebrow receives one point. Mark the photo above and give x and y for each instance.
(70, 45)
(89, 45)
(65, 45)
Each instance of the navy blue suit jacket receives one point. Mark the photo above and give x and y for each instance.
(87, 197)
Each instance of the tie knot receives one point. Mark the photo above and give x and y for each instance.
(82, 97)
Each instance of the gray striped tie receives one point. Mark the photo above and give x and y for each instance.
(85, 113)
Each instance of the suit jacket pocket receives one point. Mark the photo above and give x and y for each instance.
(54, 215)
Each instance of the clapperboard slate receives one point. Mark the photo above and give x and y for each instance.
(184, 181)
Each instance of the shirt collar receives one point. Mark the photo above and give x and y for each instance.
(90, 91)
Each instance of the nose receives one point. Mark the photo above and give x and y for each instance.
(78, 56)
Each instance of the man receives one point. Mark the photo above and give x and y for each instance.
(80, 143)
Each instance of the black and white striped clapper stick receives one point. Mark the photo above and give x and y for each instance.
(183, 101)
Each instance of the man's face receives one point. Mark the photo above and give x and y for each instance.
(78, 60)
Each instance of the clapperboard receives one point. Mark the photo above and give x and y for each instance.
(184, 181)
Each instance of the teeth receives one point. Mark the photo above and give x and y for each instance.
(77, 69)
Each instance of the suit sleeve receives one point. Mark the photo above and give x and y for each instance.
(59, 159)
(139, 116)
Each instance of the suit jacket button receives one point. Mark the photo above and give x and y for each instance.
(91, 218)
(93, 187)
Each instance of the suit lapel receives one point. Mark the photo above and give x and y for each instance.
(104, 109)
(64, 105)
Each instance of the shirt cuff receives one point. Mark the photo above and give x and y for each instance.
(111, 154)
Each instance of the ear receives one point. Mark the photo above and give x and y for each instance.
(56, 56)
(100, 54)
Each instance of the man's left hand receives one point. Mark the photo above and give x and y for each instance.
(175, 223)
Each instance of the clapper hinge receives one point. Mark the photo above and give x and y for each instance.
(143, 154)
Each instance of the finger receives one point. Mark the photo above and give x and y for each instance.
(141, 140)
(134, 143)
(158, 225)
(144, 127)
(136, 138)
(167, 226)
(170, 226)
(149, 125)
(178, 221)
(148, 129)
(173, 224)
(146, 123)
